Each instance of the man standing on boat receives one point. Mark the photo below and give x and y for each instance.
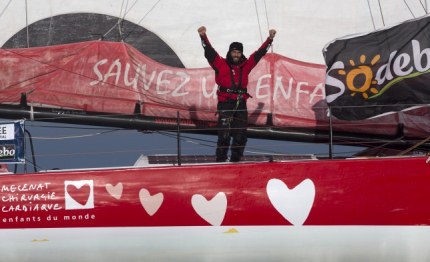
(231, 75)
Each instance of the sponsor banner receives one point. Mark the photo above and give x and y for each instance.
(111, 77)
(12, 142)
(383, 71)
(287, 194)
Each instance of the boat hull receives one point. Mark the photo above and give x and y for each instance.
(308, 210)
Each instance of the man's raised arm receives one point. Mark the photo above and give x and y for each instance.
(210, 52)
(265, 46)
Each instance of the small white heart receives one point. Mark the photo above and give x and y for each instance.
(114, 191)
(293, 204)
(213, 211)
(151, 204)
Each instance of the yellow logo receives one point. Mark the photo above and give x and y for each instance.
(361, 71)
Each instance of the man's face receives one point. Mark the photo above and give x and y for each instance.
(235, 55)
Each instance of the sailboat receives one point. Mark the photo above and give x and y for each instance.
(371, 206)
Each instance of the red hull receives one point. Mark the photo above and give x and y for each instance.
(388, 191)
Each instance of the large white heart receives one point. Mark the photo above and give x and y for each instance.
(293, 204)
(213, 211)
(151, 204)
(114, 191)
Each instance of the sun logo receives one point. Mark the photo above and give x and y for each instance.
(361, 76)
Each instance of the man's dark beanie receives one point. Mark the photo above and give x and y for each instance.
(236, 46)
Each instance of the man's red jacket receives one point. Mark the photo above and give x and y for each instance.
(225, 71)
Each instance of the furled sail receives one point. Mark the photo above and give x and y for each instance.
(380, 72)
(114, 78)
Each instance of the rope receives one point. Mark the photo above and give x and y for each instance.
(424, 7)
(120, 20)
(138, 23)
(410, 11)
(26, 24)
(258, 20)
(414, 146)
(380, 10)
(4, 9)
(268, 27)
(267, 15)
(74, 137)
(371, 15)
(212, 144)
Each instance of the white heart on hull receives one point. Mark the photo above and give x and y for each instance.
(151, 204)
(293, 204)
(115, 191)
(213, 211)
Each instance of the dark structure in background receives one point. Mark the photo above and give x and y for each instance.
(80, 27)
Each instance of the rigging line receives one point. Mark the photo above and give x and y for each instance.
(424, 7)
(138, 23)
(267, 15)
(33, 164)
(262, 151)
(26, 24)
(414, 146)
(340, 153)
(122, 7)
(188, 139)
(369, 145)
(31, 124)
(268, 152)
(170, 134)
(110, 30)
(410, 11)
(213, 142)
(388, 143)
(258, 20)
(120, 20)
(127, 10)
(268, 26)
(72, 137)
(382, 15)
(371, 15)
(4, 9)
(259, 150)
(94, 152)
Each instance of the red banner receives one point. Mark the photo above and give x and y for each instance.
(112, 77)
